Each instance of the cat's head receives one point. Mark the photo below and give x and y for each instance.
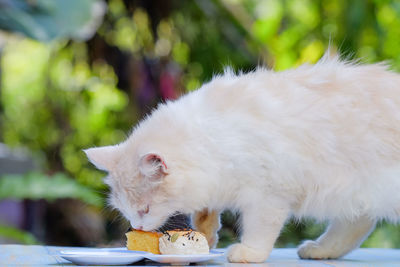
(141, 187)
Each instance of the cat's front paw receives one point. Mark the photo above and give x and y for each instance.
(245, 254)
(313, 250)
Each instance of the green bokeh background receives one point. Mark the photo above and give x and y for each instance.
(63, 95)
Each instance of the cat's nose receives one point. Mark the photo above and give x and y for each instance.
(144, 211)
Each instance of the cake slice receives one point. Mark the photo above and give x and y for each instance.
(143, 241)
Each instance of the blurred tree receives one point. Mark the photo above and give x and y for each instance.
(47, 20)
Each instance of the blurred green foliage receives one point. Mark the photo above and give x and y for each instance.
(68, 105)
(46, 20)
(58, 98)
(385, 236)
(37, 186)
(20, 236)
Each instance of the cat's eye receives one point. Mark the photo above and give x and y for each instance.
(144, 211)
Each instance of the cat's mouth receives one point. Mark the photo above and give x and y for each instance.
(175, 221)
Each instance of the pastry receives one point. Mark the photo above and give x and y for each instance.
(183, 242)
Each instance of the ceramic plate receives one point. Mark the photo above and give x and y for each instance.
(183, 259)
(102, 256)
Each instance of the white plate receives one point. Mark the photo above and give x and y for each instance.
(102, 256)
(183, 259)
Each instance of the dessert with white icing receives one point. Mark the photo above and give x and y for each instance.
(183, 242)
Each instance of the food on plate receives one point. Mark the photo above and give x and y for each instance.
(143, 241)
(183, 242)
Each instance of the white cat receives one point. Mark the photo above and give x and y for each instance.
(320, 141)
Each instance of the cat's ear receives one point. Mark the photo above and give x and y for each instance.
(153, 166)
(104, 158)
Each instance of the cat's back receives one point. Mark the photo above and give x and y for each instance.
(333, 124)
(330, 92)
(330, 103)
(332, 109)
(340, 84)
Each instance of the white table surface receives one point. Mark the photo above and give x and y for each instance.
(21, 255)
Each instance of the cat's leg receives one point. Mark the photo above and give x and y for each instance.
(340, 238)
(208, 223)
(260, 229)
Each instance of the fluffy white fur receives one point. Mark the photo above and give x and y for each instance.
(321, 140)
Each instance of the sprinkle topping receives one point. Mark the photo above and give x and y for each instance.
(174, 237)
